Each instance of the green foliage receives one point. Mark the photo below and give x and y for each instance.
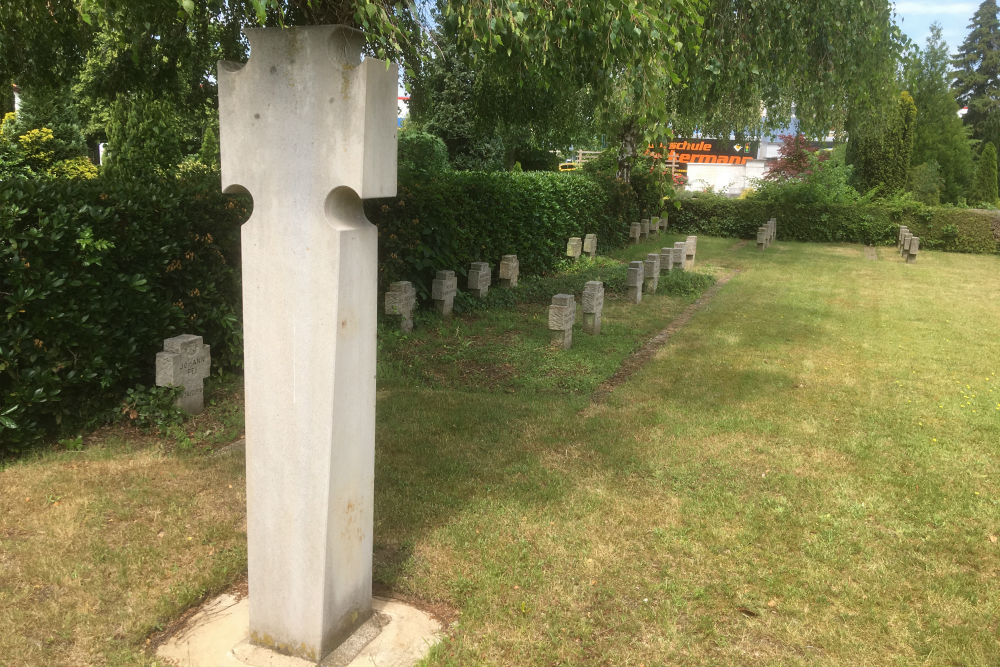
(984, 188)
(457, 217)
(976, 77)
(871, 223)
(152, 407)
(925, 183)
(144, 139)
(77, 167)
(881, 155)
(823, 179)
(43, 139)
(939, 136)
(420, 154)
(96, 274)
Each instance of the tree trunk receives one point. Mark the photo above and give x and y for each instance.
(628, 139)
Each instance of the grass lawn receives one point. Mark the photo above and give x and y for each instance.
(807, 472)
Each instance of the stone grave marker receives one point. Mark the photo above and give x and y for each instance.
(651, 273)
(666, 260)
(654, 224)
(772, 227)
(680, 253)
(574, 247)
(562, 315)
(479, 279)
(634, 281)
(913, 249)
(762, 237)
(309, 129)
(185, 362)
(644, 228)
(903, 230)
(443, 290)
(590, 245)
(635, 232)
(593, 306)
(906, 244)
(509, 270)
(691, 247)
(400, 300)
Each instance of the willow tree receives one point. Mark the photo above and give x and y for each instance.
(653, 66)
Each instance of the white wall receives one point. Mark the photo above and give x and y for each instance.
(724, 179)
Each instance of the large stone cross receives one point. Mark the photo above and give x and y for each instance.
(309, 130)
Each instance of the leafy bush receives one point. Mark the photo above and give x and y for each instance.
(95, 275)
(419, 154)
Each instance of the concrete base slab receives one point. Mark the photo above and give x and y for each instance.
(397, 635)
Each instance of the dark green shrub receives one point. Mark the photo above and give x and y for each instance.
(419, 154)
(95, 275)
(450, 219)
(984, 187)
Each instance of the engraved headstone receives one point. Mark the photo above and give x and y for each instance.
(400, 300)
(562, 315)
(479, 279)
(590, 244)
(651, 273)
(680, 251)
(666, 260)
(509, 270)
(574, 247)
(906, 245)
(634, 281)
(185, 362)
(691, 248)
(443, 290)
(912, 250)
(635, 232)
(309, 129)
(593, 306)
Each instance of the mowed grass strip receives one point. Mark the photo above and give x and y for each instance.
(806, 473)
(799, 477)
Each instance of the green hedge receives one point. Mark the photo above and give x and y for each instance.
(451, 219)
(942, 228)
(95, 276)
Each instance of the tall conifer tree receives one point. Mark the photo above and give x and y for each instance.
(977, 73)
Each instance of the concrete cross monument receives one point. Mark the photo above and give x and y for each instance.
(903, 230)
(509, 270)
(666, 260)
(574, 247)
(689, 253)
(644, 228)
(185, 362)
(400, 300)
(443, 290)
(905, 248)
(680, 255)
(593, 306)
(562, 315)
(913, 249)
(590, 245)
(480, 276)
(633, 280)
(635, 232)
(309, 130)
(762, 236)
(651, 273)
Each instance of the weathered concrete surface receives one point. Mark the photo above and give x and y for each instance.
(218, 636)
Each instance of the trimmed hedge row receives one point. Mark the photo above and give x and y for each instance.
(95, 275)
(451, 219)
(940, 228)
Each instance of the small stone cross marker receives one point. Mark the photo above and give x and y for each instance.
(401, 300)
(635, 232)
(562, 315)
(185, 362)
(666, 260)
(480, 276)
(651, 272)
(443, 290)
(680, 252)
(634, 281)
(574, 247)
(509, 270)
(593, 306)
(590, 244)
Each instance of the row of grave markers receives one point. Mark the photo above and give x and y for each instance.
(767, 233)
(639, 231)
(908, 245)
(643, 276)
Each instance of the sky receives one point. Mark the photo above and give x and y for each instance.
(914, 18)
